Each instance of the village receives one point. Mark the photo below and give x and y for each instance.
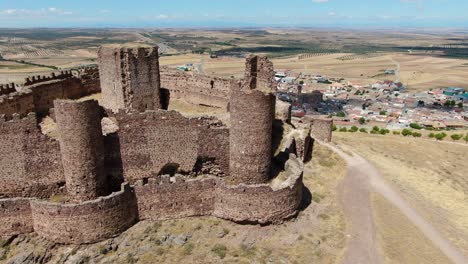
(386, 104)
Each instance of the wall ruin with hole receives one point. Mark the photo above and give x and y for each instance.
(151, 140)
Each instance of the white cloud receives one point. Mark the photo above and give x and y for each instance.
(50, 11)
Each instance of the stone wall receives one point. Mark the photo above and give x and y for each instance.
(161, 198)
(129, 77)
(88, 222)
(29, 160)
(18, 102)
(214, 143)
(15, 217)
(7, 88)
(45, 93)
(39, 92)
(261, 203)
(195, 88)
(152, 140)
(321, 128)
(43, 78)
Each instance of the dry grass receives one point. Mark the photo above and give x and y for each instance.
(430, 175)
(400, 241)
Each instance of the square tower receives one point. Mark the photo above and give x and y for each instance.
(130, 77)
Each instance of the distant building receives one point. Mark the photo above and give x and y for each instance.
(452, 91)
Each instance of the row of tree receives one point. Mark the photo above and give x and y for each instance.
(405, 132)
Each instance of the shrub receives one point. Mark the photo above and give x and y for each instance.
(354, 129)
(343, 129)
(397, 133)
(406, 132)
(415, 126)
(431, 135)
(363, 130)
(466, 138)
(384, 131)
(341, 114)
(219, 250)
(188, 248)
(440, 136)
(334, 128)
(102, 250)
(383, 113)
(456, 137)
(417, 134)
(362, 120)
(376, 129)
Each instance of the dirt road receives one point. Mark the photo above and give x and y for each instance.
(354, 191)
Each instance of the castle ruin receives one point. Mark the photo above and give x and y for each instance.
(89, 186)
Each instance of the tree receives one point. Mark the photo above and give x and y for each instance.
(406, 132)
(362, 120)
(376, 129)
(460, 105)
(440, 136)
(415, 126)
(383, 113)
(334, 128)
(341, 114)
(354, 129)
(453, 103)
(456, 137)
(301, 82)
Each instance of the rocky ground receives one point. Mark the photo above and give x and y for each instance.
(315, 236)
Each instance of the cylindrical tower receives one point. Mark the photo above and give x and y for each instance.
(82, 148)
(252, 107)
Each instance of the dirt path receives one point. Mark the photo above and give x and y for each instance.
(354, 191)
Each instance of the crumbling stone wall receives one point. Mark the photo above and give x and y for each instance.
(82, 148)
(90, 81)
(161, 198)
(17, 103)
(130, 77)
(87, 222)
(15, 217)
(214, 143)
(152, 140)
(45, 93)
(321, 128)
(29, 160)
(195, 88)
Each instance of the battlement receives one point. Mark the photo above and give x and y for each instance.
(45, 78)
(7, 88)
(167, 165)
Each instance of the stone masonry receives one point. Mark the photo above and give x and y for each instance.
(167, 165)
(81, 145)
(130, 77)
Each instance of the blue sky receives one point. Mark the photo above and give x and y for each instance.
(234, 13)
